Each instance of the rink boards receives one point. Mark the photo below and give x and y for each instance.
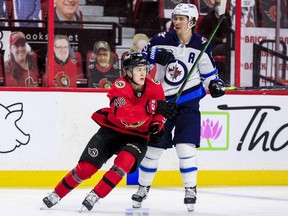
(243, 142)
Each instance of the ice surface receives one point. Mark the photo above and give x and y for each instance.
(212, 201)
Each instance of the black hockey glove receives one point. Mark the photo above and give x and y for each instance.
(156, 131)
(216, 88)
(160, 56)
(165, 108)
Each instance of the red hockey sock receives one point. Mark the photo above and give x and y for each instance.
(122, 165)
(81, 172)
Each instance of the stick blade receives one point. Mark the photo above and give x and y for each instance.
(222, 7)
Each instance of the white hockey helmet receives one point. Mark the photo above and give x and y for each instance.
(189, 10)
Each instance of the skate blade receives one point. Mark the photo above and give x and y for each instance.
(44, 207)
(190, 207)
(83, 209)
(137, 204)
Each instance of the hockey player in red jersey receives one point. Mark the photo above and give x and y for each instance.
(136, 113)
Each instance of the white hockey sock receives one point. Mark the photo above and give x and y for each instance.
(149, 165)
(188, 164)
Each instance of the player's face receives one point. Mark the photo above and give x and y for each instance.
(180, 24)
(67, 8)
(19, 52)
(61, 49)
(103, 58)
(139, 74)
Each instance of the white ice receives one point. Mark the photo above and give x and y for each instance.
(212, 201)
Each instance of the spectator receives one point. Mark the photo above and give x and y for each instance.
(65, 67)
(219, 46)
(27, 10)
(103, 69)
(21, 67)
(67, 10)
(139, 42)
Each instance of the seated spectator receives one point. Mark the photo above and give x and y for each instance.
(65, 66)
(139, 42)
(21, 67)
(27, 10)
(220, 38)
(102, 69)
(67, 11)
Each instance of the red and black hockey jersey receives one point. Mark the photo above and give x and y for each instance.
(127, 112)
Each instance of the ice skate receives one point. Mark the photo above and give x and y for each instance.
(190, 198)
(89, 201)
(140, 195)
(50, 200)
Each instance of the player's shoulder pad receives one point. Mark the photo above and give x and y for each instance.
(156, 82)
(120, 84)
(74, 61)
(161, 34)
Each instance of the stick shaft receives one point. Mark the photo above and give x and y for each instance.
(198, 59)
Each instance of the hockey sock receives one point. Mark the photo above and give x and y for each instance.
(81, 172)
(122, 165)
(188, 164)
(149, 165)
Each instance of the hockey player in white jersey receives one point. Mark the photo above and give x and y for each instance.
(185, 46)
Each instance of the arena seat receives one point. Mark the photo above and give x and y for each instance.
(80, 73)
(81, 76)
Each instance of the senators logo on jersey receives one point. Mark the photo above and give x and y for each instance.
(138, 124)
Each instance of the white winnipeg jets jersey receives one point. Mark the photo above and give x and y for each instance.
(174, 73)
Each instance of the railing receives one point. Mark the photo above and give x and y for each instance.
(265, 74)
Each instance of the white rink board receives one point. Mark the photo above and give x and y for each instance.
(59, 126)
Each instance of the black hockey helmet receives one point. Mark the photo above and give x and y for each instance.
(134, 59)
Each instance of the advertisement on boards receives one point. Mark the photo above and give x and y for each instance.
(238, 132)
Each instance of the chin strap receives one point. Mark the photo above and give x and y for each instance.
(190, 26)
(131, 80)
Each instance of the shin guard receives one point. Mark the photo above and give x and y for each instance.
(122, 165)
(81, 172)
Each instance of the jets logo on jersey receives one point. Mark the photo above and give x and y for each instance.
(162, 34)
(175, 73)
(204, 40)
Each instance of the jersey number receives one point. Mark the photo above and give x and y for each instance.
(118, 102)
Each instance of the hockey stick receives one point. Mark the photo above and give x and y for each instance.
(263, 88)
(221, 17)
